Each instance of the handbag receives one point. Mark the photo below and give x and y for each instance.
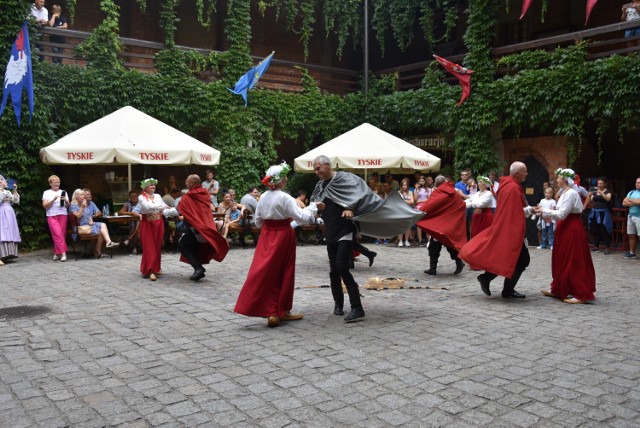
(84, 230)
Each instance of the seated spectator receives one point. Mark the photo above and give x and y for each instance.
(232, 192)
(60, 22)
(81, 209)
(224, 207)
(393, 184)
(302, 199)
(132, 209)
(232, 216)
(171, 184)
(170, 198)
(250, 199)
(182, 193)
(91, 206)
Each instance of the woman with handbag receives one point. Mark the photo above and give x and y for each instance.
(84, 213)
(151, 228)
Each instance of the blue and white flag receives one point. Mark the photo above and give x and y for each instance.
(18, 75)
(250, 78)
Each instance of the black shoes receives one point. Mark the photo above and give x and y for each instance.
(337, 310)
(371, 257)
(355, 315)
(513, 294)
(197, 275)
(430, 271)
(459, 266)
(484, 285)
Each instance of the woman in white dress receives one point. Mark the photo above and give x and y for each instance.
(482, 202)
(9, 233)
(268, 290)
(574, 278)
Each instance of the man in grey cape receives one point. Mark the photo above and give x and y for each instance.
(347, 202)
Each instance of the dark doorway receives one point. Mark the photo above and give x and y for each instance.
(538, 174)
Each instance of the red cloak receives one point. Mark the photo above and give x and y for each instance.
(496, 249)
(445, 218)
(195, 207)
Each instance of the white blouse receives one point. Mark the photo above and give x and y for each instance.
(150, 205)
(480, 200)
(569, 203)
(277, 205)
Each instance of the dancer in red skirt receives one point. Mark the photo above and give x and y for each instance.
(574, 278)
(268, 290)
(482, 201)
(151, 228)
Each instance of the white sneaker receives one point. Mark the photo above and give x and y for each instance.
(56, 257)
(400, 244)
(63, 257)
(407, 244)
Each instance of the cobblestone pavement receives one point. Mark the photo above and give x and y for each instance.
(118, 350)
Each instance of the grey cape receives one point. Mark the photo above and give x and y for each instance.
(374, 216)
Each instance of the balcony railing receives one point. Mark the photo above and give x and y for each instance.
(138, 55)
(283, 75)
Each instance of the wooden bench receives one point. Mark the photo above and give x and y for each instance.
(317, 228)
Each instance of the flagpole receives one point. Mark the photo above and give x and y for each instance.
(366, 47)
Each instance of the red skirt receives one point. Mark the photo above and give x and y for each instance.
(481, 221)
(151, 233)
(268, 290)
(571, 264)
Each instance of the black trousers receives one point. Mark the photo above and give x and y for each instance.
(339, 259)
(510, 283)
(357, 246)
(188, 246)
(435, 247)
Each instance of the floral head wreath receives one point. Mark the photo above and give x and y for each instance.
(567, 174)
(275, 174)
(148, 182)
(484, 179)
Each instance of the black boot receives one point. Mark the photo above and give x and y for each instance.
(433, 264)
(459, 266)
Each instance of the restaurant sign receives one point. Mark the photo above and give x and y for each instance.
(441, 142)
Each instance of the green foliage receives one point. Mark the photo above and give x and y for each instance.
(182, 63)
(168, 20)
(238, 30)
(102, 47)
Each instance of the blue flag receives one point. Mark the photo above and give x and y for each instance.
(18, 75)
(250, 78)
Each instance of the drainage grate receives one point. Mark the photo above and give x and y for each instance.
(23, 311)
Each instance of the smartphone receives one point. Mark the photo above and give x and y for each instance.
(10, 183)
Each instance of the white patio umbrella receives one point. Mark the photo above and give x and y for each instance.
(369, 148)
(125, 137)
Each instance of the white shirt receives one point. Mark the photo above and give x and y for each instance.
(39, 14)
(150, 205)
(277, 205)
(55, 208)
(480, 200)
(569, 203)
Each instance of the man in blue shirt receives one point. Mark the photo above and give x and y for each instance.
(633, 221)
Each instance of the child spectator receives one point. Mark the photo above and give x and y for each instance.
(60, 22)
(546, 225)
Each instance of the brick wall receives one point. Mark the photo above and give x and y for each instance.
(550, 151)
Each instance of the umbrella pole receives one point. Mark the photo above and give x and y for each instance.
(129, 174)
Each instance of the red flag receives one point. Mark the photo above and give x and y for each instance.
(525, 7)
(463, 75)
(590, 5)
